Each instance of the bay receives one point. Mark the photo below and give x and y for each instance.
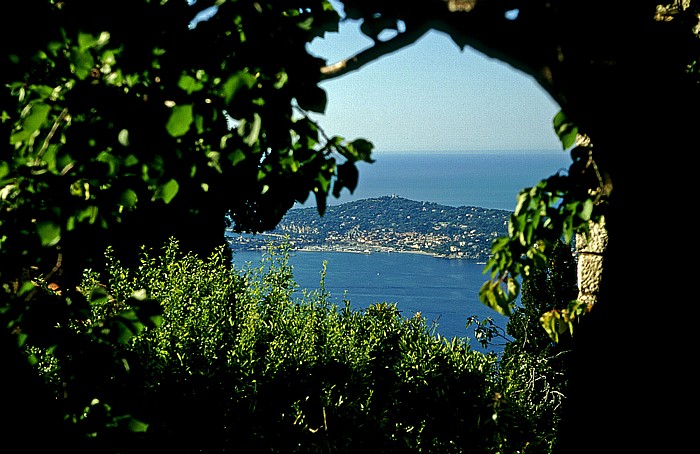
(444, 291)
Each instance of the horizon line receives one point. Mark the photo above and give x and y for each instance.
(501, 151)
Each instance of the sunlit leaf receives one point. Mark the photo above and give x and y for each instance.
(49, 233)
(586, 210)
(513, 288)
(282, 78)
(123, 137)
(565, 130)
(236, 156)
(180, 120)
(167, 191)
(128, 198)
(86, 40)
(357, 150)
(250, 130)
(4, 169)
(550, 322)
(32, 122)
(137, 426)
(83, 62)
(240, 80)
(492, 295)
(189, 84)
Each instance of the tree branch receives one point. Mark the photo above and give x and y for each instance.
(527, 43)
(378, 50)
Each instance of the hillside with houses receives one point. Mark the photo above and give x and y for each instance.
(387, 224)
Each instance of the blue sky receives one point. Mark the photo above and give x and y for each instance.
(433, 96)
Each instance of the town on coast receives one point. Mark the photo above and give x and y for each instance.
(386, 224)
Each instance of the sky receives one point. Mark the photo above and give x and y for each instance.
(433, 96)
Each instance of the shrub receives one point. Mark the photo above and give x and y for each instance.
(241, 359)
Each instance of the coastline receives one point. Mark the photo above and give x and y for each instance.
(345, 249)
(389, 224)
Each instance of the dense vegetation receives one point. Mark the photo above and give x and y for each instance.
(231, 359)
(123, 126)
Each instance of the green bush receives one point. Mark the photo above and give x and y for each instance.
(533, 368)
(237, 359)
(241, 359)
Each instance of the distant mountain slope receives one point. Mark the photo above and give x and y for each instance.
(389, 224)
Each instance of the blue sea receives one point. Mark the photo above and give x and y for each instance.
(481, 179)
(444, 291)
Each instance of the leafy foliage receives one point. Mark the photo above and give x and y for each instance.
(240, 357)
(125, 133)
(553, 210)
(123, 115)
(125, 123)
(533, 371)
(534, 367)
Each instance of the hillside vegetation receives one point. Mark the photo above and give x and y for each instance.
(388, 224)
(232, 359)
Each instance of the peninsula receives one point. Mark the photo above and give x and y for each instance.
(386, 224)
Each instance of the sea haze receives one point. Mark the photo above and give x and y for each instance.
(444, 291)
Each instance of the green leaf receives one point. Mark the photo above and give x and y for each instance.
(492, 295)
(34, 121)
(282, 78)
(49, 232)
(128, 198)
(137, 426)
(167, 191)
(87, 41)
(348, 177)
(566, 131)
(513, 289)
(306, 24)
(488, 295)
(189, 84)
(586, 210)
(180, 120)
(240, 80)
(148, 311)
(99, 295)
(250, 130)
(236, 156)
(357, 150)
(83, 62)
(4, 170)
(126, 325)
(42, 91)
(123, 137)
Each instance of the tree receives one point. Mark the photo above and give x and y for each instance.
(117, 133)
(625, 75)
(545, 289)
(124, 124)
(533, 367)
(120, 117)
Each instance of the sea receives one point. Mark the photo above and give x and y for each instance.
(443, 291)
